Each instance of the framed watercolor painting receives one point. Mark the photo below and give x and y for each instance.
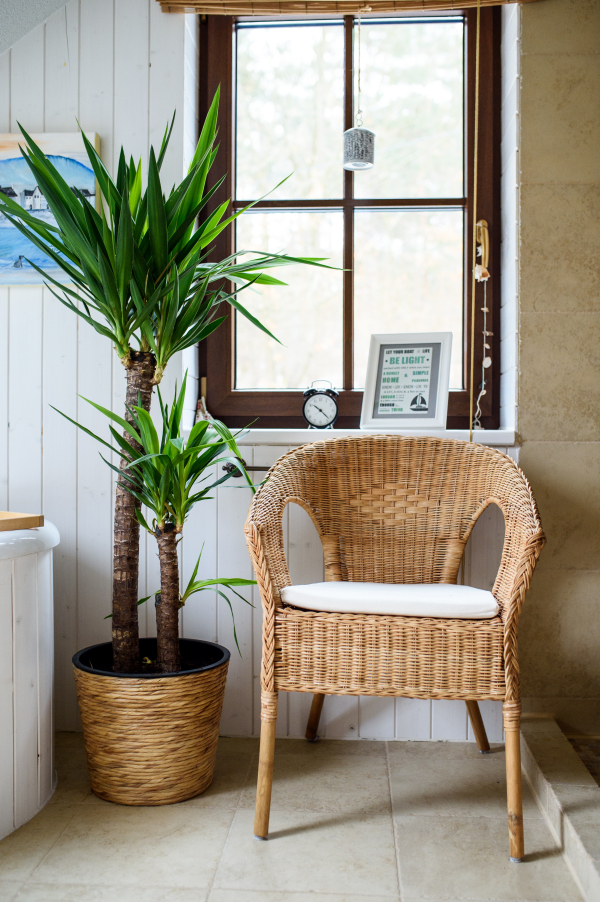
(408, 376)
(67, 152)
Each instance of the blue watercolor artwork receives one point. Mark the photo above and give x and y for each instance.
(67, 153)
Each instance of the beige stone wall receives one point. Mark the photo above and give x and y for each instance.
(559, 352)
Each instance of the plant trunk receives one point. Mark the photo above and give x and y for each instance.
(125, 632)
(167, 611)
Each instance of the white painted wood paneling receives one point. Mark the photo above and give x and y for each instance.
(6, 700)
(61, 68)
(45, 670)
(413, 719)
(26, 675)
(27, 82)
(5, 91)
(59, 483)
(449, 720)
(25, 400)
(4, 381)
(233, 500)
(25, 687)
(200, 536)
(94, 491)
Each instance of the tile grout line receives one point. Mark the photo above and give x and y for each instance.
(394, 830)
(237, 808)
(42, 860)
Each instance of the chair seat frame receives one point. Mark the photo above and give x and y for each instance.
(394, 509)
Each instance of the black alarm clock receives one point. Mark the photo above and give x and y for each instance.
(320, 409)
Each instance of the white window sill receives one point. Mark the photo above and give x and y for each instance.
(498, 438)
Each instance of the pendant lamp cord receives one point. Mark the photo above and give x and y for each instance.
(474, 213)
(358, 118)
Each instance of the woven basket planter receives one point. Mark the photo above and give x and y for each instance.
(151, 739)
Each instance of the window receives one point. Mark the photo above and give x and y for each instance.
(399, 233)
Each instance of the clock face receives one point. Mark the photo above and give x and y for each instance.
(320, 410)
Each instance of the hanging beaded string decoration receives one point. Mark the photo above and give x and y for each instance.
(482, 274)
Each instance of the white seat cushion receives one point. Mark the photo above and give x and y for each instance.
(422, 600)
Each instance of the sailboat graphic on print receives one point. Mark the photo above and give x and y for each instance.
(419, 403)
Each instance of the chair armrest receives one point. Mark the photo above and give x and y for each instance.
(269, 561)
(272, 574)
(518, 562)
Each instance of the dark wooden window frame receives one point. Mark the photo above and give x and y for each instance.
(282, 409)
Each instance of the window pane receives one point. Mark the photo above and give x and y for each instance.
(290, 94)
(408, 277)
(306, 316)
(412, 98)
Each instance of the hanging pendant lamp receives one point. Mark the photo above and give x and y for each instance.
(359, 142)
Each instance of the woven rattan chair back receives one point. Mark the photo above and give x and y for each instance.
(394, 509)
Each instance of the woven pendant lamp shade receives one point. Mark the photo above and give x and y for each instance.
(359, 148)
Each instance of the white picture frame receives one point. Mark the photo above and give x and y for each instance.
(424, 406)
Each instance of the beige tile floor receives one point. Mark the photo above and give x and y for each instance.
(351, 822)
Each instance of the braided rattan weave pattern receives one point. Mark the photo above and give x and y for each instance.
(151, 742)
(400, 510)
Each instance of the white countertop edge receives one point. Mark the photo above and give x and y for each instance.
(18, 542)
(497, 438)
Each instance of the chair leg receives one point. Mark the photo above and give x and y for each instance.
(512, 722)
(315, 715)
(478, 727)
(268, 723)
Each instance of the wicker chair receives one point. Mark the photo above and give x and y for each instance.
(393, 509)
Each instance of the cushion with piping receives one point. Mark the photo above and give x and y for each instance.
(418, 600)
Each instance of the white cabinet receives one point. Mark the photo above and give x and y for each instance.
(27, 777)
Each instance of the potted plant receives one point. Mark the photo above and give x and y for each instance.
(151, 737)
(140, 276)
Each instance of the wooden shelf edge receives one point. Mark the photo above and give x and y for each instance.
(11, 520)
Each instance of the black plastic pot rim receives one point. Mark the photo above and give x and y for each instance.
(77, 662)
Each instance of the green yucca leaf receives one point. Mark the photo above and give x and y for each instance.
(165, 142)
(124, 248)
(157, 219)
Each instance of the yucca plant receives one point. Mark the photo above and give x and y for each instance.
(140, 276)
(163, 475)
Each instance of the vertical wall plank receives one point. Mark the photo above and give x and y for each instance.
(25, 686)
(4, 383)
(306, 552)
(96, 84)
(200, 535)
(413, 719)
(449, 720)
(167, 54)
(25, 400)
(27, 82)
(60, 489)
(94, 487)
(233, 560)
(6, 699)
(376, 717)
(340, 717)
(131, 79)
(5, 91)
(45, 631)
(61, 82)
